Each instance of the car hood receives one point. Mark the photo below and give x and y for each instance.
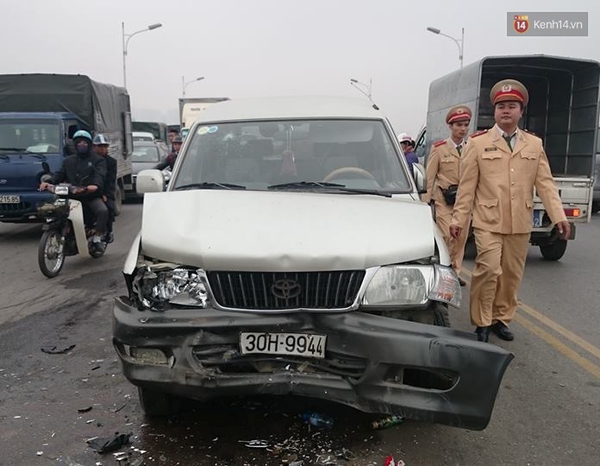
(284, 231)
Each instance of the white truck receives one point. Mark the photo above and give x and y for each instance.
(190, 108)
(562, 110)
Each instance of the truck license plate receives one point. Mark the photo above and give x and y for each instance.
(10, 199)
(538, 215)
(295, 344)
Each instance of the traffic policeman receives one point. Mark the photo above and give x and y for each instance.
(499, 170)
(443, 171)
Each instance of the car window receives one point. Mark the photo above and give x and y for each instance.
(355, 153)
(145, 154)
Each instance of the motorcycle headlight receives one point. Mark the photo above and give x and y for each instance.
(405, 285)
(157, 288)
(61, 190)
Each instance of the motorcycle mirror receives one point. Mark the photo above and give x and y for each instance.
(45, 167)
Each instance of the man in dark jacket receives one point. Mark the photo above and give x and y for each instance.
(88, 170)
(101, 145)
(170, 160)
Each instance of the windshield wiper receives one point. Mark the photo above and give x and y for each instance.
(209, 185)
(306, 184)
(330, 186)
(17, 149)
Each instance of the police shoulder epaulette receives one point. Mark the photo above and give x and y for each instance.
(530, 132)
(479, 133)
(439, 143)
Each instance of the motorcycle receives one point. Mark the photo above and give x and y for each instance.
(65, 232)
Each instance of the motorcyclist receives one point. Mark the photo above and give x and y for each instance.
(101, 145)
(169, 162)
(87, 170)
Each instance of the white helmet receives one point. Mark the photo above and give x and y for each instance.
(403, 137)
(101, 140)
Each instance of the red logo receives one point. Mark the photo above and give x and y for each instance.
(521, 23)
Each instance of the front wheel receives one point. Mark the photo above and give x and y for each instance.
(51, 253)
(554, 251)
(437, 314)
(157, 404)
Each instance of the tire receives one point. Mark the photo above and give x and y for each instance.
(157, 404)
(119, 196)
(437, 314)
(554, 251)
(595, 207)
(441, 316)
(51, 253)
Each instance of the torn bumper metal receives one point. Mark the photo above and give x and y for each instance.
(373, 363)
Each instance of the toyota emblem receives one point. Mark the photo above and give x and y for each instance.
(286, 289)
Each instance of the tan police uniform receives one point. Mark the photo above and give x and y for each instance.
(497, 186)
(443, 170)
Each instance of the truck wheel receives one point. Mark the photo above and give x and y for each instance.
(119, 196)
(157, 404)
(554, 251)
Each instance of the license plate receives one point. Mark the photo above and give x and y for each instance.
(9, 199)
(291, 344)
(538, 216)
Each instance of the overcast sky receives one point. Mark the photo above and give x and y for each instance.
(253, 48)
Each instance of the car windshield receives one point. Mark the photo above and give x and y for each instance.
(29, 136)
(145, 154)
(301, 155)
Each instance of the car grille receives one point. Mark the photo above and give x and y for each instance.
(227, 360)
(14, 209)
(285, 290)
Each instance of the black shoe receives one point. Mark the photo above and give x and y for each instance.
(502, 331)
(483, 333)
(461, 282)
(109, 238)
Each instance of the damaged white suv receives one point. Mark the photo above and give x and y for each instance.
(291, 254)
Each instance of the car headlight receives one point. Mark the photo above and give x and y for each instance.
(156, 288)
(415, 285)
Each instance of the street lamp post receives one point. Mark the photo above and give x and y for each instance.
(355, 83)
(459, 43)
(126, 38)
(184, 84)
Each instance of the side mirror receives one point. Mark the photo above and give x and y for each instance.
(420, 177)
(149, 181)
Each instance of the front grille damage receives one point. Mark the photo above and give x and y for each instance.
(226, 359)
(286, 290)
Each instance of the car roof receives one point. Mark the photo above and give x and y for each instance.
(276, 108)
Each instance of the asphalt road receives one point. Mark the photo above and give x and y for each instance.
(547, 411)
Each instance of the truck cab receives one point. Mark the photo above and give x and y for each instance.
(26, 141)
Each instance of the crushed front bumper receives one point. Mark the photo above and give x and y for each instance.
(373, 363)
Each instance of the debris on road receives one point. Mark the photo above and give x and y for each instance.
(317, 420)
(109, 444)
(53, 350)
(255, 443)
(85, 410)
(387, 422)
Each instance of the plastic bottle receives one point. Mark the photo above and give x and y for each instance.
(317, 420)
(387, 422)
